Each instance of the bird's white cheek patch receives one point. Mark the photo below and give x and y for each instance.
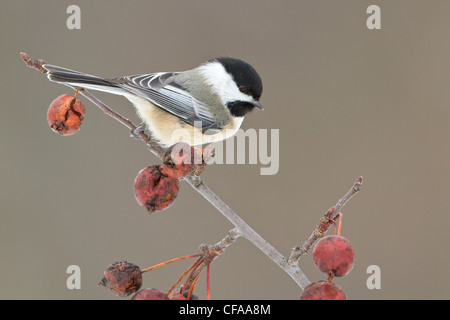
(222, 83)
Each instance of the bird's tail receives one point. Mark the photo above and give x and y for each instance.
(81, 80)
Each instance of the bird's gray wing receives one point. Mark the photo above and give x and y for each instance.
(162, 91)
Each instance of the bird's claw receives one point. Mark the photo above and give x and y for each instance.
(136, 132)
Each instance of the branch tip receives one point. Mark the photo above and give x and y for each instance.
(35, 64)
(358, 184)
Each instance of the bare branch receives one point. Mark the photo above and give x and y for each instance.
(241, 228)
(325, 222)
(246, 231)
(35, 64)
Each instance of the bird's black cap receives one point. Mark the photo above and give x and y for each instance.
(245, 76)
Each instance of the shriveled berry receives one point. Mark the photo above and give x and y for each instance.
(181, 159)
(154, 190)
(334, 254)
(65, 115)
(323, 290)
(150, 294)
(122, 278)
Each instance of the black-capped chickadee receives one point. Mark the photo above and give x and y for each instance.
(198, 106)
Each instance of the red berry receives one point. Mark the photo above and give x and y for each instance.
(181, 159)
(334, 254)
(122, 278)
(323, 290)
(155, 191)
(150, 294)
(65, 115)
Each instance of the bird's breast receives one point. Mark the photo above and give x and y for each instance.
(168, 129)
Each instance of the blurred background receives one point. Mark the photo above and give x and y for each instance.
(348, 101)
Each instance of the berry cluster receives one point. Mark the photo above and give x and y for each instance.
(157, 186)
(125, 278)
(334, 256)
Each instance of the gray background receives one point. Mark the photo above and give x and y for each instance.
(348, 102)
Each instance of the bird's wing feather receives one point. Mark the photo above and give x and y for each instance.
(161, 90)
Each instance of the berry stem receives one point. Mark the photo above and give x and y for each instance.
(192, 287)
(330, 276)
(156, 266)
(208, 295)
(340, 223)
(184, 274)
(195, 273)
(337, 228)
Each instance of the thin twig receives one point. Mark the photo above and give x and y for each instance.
(195, 273)
(192, 287)
(246, 231)
(35, 64)
(159, 265)
(325, 222)
(192, 266)
(208, 293)
(231, 237)
(209, 253)
(350, 193)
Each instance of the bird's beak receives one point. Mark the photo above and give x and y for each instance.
(258, 105)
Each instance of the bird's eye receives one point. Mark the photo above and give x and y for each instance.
(242, 89)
